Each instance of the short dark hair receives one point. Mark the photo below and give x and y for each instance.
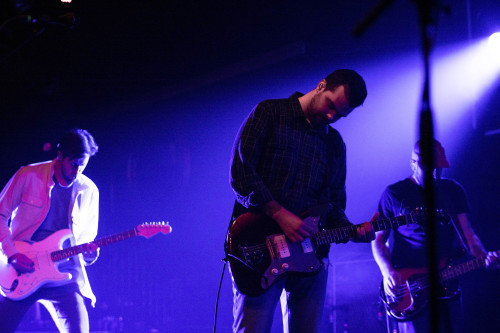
(76, 143)
(354, 85)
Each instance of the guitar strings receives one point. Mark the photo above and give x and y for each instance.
(405, 290)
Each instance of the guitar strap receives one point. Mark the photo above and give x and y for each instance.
(460, 234)
(458, 229)
(329, 163)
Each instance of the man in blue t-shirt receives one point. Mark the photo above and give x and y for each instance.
(403, 256)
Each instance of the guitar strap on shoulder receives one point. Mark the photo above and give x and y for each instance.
(329, 163)
(460, 234)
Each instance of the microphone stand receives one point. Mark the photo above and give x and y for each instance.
(427, 10)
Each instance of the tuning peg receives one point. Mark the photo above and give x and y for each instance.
(156, 223)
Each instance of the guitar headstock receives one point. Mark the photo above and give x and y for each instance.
(149, 229)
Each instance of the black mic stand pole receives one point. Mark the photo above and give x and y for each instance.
(428, 9)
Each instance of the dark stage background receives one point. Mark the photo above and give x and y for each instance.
(164, 86)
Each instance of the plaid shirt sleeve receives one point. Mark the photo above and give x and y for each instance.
(248, 186)
(337, 192)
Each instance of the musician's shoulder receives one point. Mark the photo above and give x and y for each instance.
(86, 183)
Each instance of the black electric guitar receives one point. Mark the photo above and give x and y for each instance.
(48, 254)
(259, 253)
(413, 295)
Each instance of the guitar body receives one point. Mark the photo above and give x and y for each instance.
(19, 286)
(260, 254)
(52, 261)
(411, 296)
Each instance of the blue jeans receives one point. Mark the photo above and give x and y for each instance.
(65, 305)
(302, 302)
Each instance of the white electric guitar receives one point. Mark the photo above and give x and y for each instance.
(49, 253)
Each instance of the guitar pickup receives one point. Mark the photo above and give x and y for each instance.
(280, 244)
(307, 246)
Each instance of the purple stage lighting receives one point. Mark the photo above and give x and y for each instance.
(494, 46)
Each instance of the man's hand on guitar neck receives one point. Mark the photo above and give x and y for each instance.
(365, 232)
(477, 249)
(22, 263)
(493, 260)
(90, 252)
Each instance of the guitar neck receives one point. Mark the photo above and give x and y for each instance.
(343, 234)
(74, 250)
(463, 268)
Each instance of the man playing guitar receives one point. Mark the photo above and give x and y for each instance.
(403, 258)
(40, 201)
(287, 160)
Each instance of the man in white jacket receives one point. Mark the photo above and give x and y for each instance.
(45, 204)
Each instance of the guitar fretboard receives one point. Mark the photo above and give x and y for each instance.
(343, 234)
(74, 250)
(460, 269)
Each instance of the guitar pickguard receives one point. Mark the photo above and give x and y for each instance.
(287, 257)
(261, 254)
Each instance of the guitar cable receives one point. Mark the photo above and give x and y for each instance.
(225, 260)
(246, 265)
(218, 293)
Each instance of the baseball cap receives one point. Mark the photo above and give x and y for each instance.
(440, 160)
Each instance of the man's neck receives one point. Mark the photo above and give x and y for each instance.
(58, 177)
(305, 100)
(420, 180)
(417, 180)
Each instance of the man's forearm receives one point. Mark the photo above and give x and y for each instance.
(271, 208)
(382, 256)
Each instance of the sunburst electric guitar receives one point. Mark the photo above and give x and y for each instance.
(413, 295)
(49, 253)
(259, 253)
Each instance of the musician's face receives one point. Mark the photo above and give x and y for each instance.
(71, 168)
(327, 106)
(418, 170)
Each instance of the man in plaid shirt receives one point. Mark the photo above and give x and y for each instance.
(286, 159)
